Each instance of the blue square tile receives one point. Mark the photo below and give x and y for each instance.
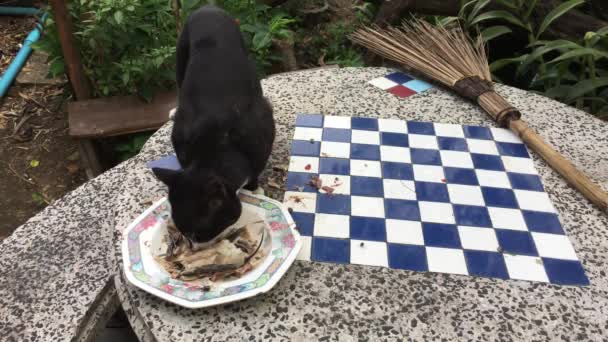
(401, 209)
(424, 156)
(456, 175)
(330, 250)
(309, 120)
(416, 127)
(305, 222)
(333, 204)
(300, 181)
(399, 77)
(525, 182)
(334, 166)
(407, 257)
(402, 171)
(542, 222)
(364, 151)
(367, 228)
(418, 85)
(336, 134)
(367, 124)
(453, 144)
(305, 148)
(516, 242)
(476, 132)
(487, 162)
(366, 186)
(440, 235)
(565, 272)
(394, 139)
(495, 197)
(486, 264)
(432, 192)
(470, 215)
(512, 149)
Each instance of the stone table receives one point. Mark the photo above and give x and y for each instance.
(316, 301)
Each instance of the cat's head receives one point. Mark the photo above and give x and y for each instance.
(202, 204)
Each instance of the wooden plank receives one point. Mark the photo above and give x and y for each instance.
(119, 115)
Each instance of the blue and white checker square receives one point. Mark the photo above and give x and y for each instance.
(424, 196)
(399, 79)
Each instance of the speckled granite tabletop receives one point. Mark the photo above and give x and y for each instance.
(348, 302)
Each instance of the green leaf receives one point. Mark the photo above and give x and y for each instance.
(118, 16)
(478, 7)
(542, 50)
(34, 163)
(463, 9)
(560, 91)
(261, 40)
(125, 78)
(580, 52)
(556, 13)
(493, 32)
(501, 63)
(57, 68)
(500, 14)
(583, 87)
(507, 3)
(447, 20)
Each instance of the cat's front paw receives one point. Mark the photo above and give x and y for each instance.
(172, 113)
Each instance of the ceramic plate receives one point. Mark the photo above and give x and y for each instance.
(142, 240)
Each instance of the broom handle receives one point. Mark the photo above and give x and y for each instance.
(504, 114)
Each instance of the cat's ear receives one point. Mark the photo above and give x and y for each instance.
(169, 177)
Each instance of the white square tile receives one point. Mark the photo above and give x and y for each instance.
(372, 253)
(534, 200)
(436, 212)
(392, 125)
(307, 133)
(395, 154)
(365, 137)
(337, 121)
(448, 130)
(335, 226)
(383, 83)
(456, 159)
(423, 141)
(400, 189)
(554, 246)
(304, 253)
(367, 206)
(482, 146)
(525, 267)
(428, 173)
(340, 183)
(466, 194)
(504, 135)
(496, 179)
(303, 202)
(519, 165)
(331, 149)
(405, 232)
(481, 239)
(446, 260)
(304, 164)
(506, 218)
(367, 168)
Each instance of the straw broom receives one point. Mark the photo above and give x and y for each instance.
(450, 57)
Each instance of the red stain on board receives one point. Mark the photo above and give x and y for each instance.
(307, 167)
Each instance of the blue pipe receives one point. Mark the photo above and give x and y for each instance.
(19, 60)
(7, 10)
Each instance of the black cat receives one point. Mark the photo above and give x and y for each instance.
(223, 127)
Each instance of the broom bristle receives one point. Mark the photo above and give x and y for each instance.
(446, 55)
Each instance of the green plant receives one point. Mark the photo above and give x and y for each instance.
(131, 145)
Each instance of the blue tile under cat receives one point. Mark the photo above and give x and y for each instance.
(305, 222)
(565, 272)
(305, 148)
(452, 144)
(470, 215)
(456, 175)
(300, 181)
(367, 124)
(487, 162)
(512, 149)
(432, 192)
(394, 139)
(401, 209)
(334, 166)
(542, 222)
(416, 127)
(476, 132)
(516, 242)
(497, 197)
(407, 257)
(367, 228)
(399, 77)
(333, 204)
(440, 235)
(330, 250)
(525, 182)
(486, 264)
(402, 171)
(425, 157)
(309, 120)
(337, 134)
(366, 186)
(364, 151)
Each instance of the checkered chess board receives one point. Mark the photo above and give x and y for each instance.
(424, 196)
(400, 84)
